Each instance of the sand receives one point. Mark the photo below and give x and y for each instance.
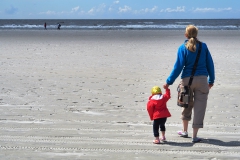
(83, 94)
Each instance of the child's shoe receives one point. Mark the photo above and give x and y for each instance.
(183, 134)
(163, 139)
(196, 140)
(156, 141)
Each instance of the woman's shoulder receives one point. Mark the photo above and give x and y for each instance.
(203, 44)
(182, 46)
(204, 47)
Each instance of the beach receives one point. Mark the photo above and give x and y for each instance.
(82, 94)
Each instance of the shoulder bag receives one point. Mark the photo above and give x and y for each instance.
(184, 91)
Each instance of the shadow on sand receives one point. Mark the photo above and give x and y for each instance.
(206, 141)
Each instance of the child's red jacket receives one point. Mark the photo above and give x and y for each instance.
(157, 105)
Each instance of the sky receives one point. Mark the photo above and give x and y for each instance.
(119, 9)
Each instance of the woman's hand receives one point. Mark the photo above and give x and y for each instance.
(210, 86)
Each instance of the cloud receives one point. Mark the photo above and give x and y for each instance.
(11, 10)
(75, 9)
(99, 9)
(146, 10)
(110, 9)
(116, 2)
(212, 9)
(48, 13)
(178, 9)
(113, 6)
(151, 10)
(124, 9)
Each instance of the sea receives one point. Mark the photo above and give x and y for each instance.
(119, 24)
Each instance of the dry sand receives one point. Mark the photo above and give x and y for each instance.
(83, 95)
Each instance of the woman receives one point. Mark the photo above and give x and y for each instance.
(199, 89)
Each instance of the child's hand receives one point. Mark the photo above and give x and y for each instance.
(165, 86)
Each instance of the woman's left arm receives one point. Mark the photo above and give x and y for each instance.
(210, 69)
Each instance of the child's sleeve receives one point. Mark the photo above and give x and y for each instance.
(167, 95)
(150, 109)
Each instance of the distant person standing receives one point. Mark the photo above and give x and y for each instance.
(59, 25)
(45, 25)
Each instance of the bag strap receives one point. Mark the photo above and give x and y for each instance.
(195, 64)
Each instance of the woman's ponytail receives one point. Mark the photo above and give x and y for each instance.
(191, 33)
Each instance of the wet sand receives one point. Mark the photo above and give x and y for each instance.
(83, 95)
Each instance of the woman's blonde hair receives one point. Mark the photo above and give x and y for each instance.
(191, 33)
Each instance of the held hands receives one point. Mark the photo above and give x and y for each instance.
(165, 86)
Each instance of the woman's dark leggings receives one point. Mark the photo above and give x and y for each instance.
(160, 122)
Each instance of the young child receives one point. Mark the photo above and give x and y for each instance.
(158, 112)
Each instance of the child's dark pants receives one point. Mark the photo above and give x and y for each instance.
(160, 122)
